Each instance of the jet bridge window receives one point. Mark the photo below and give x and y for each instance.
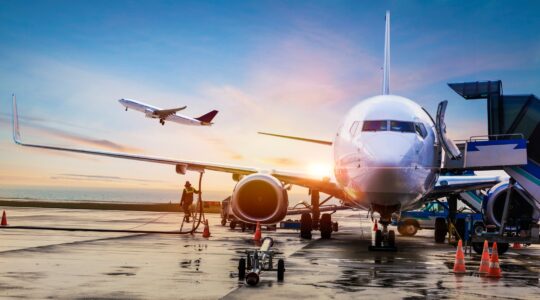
(381, 125)
(402, 126)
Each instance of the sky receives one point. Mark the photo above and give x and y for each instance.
(291, 67)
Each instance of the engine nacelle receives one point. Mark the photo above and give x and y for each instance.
(520, 210)
(259, 198)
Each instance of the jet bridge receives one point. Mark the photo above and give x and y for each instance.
(513, 140)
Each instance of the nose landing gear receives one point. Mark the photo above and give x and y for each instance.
(383, 240)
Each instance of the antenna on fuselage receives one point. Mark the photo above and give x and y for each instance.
(386, 67)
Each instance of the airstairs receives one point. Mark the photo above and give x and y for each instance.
(513, 140)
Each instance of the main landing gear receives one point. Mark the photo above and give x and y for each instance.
(314, 220)
(162, 122)
(383, 240)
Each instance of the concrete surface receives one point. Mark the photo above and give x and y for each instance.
(39, 264)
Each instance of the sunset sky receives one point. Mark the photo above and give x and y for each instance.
(291, 67)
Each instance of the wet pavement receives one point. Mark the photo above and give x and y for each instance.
(38, 264)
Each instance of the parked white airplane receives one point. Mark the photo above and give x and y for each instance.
(168, 114)
(387, 158)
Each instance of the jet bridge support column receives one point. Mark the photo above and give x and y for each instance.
(511, 183)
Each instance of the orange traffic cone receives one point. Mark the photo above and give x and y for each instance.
(257, 235)
(459, 263)
(206, 231)
(4, 219)
(516, 246)
(484, 263)
(494, 268)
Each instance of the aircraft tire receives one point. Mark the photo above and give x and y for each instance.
(306, 226)
(391, 238)
(232, 225)
(378, 238)
(440, 230)
(326, 226)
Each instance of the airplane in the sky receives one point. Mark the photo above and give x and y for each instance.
(168, 114)
(387, 158)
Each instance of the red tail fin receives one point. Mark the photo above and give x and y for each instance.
(207, 118)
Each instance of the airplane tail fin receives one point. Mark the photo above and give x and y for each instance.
(386, 67)
(207, 118)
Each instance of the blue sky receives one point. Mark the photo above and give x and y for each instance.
(285, 66)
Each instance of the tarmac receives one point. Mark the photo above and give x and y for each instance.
(127, 263)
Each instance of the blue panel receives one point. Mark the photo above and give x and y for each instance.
(520, 144)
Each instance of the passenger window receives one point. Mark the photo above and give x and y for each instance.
(375, 126)
(354, 127)
(420, 129)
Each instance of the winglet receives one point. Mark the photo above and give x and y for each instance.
(386, 67)
(15, 117)
(207, 118)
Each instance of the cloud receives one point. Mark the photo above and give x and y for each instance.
(452, 62)
(221, 145)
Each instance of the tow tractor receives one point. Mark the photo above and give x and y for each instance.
(260, 260)
(429, 217)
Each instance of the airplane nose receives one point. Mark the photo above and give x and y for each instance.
(390, 150)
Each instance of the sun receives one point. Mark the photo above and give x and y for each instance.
(320, 170)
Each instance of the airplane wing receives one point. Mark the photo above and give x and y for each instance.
(324, 185)
(164, 113)
(322, 142)
(457, 184)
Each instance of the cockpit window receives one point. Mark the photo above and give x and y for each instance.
(375, 125)
(420, 129)
(392, 125)
(401, 126)
(354, 127)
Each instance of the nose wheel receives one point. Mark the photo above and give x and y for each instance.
(383, 240)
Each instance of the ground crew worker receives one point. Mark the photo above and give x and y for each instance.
(187, 199)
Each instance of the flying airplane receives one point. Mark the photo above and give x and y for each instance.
(168, 114)
(387, 158)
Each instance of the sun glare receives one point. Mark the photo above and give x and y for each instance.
(320, 169)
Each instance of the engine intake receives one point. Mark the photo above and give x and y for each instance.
(259, 198)
(520, 211)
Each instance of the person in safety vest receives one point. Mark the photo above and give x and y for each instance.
(187, 199)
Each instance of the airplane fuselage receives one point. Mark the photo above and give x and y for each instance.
(146, 109)
(385, 154)
(153, 112)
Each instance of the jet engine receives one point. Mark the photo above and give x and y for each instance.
(259, 198)
(520, 211)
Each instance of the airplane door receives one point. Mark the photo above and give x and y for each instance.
(448, 145)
